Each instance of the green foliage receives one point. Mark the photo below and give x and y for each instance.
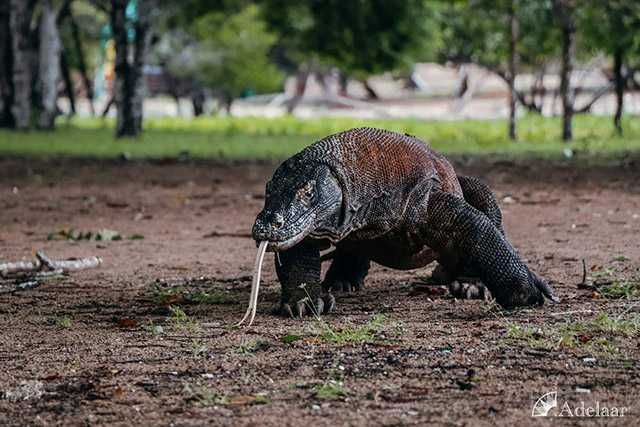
(90, 24)
(373, 332)
(231, 54)
(162, 295)
(159, 294)
(198, 349)
(619, 289)
(248, 348)
(478, 31)
(206, 396)
(217, 296)
(154, 329)
(291, 20)
(570, 336)
(331, 389)
(63, 321)
(368, 37)
(594, 336)
(606, 26)
(622, 324)
(179, 319)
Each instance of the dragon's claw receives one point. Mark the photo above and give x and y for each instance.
(468, 290)
(323, 305)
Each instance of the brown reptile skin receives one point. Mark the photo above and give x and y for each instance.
(403, 206)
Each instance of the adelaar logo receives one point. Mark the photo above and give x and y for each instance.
(547, 406)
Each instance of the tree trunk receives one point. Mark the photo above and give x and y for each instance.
(68, 84)
(227, 100)
(514, 59)
(463, 72)
(142, 43)
(129, 88)
(21, 71)
(6, 66)
(123, 86)
(618, 57)
(568, 55)
(344, 85)
(197, 98)
(370, 92)
(301, 86)
(82, 65)
(564, 12)
(107, 107)
(49, 65)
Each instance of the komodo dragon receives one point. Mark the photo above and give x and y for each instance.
(389, 198)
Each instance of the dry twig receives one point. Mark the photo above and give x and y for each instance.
(22, 275)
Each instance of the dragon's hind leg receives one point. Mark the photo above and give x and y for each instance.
(461, 280)
(479, 195)
(457, 230)
(347, 272)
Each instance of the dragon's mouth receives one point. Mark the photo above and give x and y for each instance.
(281, 245)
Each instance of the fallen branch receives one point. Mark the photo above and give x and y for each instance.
(23, 275)
(43, 262)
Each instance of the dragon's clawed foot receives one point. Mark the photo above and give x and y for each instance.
(343, 285)
(303, 307)
(465, 290)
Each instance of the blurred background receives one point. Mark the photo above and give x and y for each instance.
(466, 75)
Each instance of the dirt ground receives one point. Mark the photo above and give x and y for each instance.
(87, 348)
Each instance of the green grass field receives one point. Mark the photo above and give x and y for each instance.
(261, 138)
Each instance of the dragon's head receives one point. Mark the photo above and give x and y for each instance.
(298, 199)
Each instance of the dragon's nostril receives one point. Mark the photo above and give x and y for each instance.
(278, 222)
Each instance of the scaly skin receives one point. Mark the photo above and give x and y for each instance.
(389, 198)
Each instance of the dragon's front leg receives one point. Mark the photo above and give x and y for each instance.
(298, 270)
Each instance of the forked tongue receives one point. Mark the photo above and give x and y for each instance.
(255, 284)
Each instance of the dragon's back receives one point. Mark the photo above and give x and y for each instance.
(373, 162)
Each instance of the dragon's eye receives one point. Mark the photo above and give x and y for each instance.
(307, 192)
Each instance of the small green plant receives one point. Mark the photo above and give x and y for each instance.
(619, 289)
(618, 324)
(262, 399)
(179, 319)
(248, 348)
(605, 272)
(160, 294)
(205, 396)
(198, 349)
(63, 321)
(332, 389)
(218, 296)
(155, 329)
(532, 335)
(578, 336)
(373, 332)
